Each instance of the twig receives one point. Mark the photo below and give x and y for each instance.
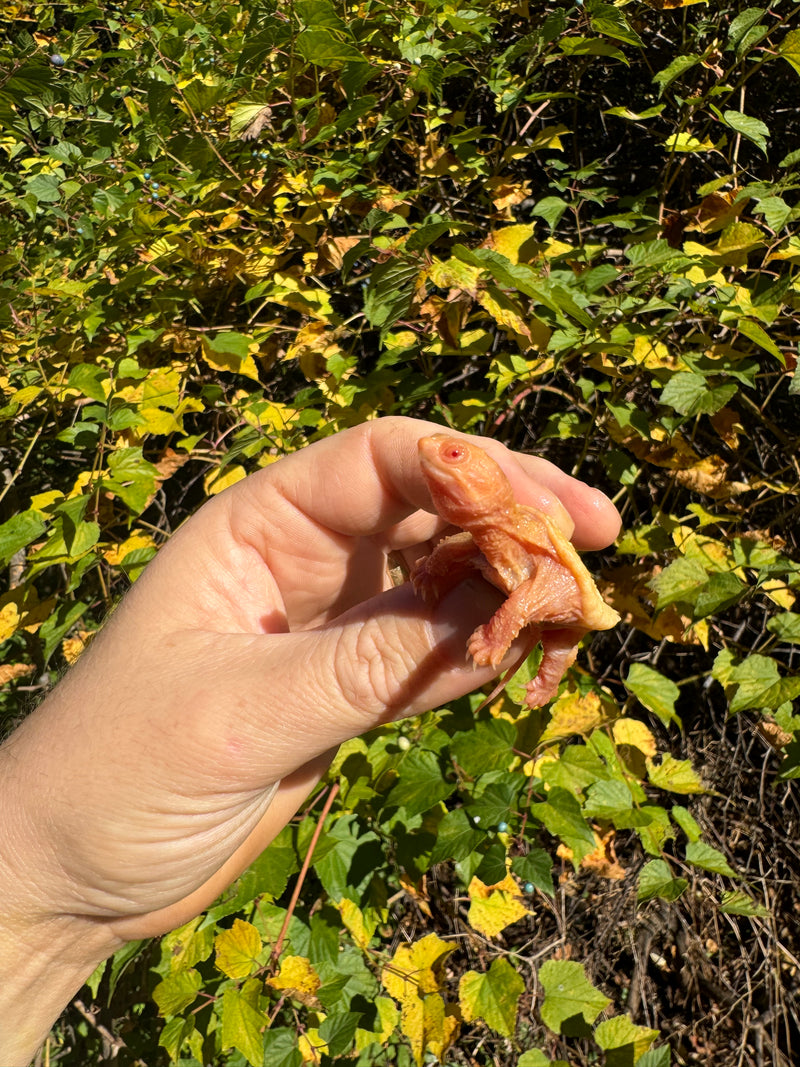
(304, 869)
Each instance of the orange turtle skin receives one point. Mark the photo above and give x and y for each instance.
(520, 550)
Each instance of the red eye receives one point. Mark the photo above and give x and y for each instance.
(452, 452)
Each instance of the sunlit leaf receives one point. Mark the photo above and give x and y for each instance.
(492, 996)
(494, 907)
(657, 880)
(238, 949)
(568, 994)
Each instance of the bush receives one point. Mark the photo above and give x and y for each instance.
(232, 229)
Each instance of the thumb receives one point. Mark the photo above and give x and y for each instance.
(390, 657)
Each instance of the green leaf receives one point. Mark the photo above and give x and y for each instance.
(561, 814)
(743, 23)
(679, 581)
(323, 49)
(654, 690)
(786, 627)
(687, 822)
(387, 297)
(133, 479)
(676, 68)
(534, 1057)
(753, 129)
(588, 46)
(177, 991)
(609, 20)
(535, 867)
(420, 785)
(624, 1042)
(280, 1048)
(88, 379)
(242, 1025)
(493, 996)
(485, 748)
(18, 532)
(691, 394)
(657, 880)
(338, 1031)
(318, 14)
(568, 996)
(605, 800)
(758, 683)
(676, 776)
(760, 336)
(45, 187)
(708, 858)
(58, 625)
(789, 49)
(775, 210)
(721, 591)
(737, 902)
(551, 208)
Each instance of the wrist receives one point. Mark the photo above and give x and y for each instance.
(43, 964)
(47, 951)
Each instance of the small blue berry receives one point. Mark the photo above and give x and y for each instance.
(529, 887)
(79, 229)
(154, 196)
(57, 60)
(154, 185)
(146, 175)
(254, 153)
(502, 827)
(263, 155)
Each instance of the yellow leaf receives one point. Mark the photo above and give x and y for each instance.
(517, 243)
(216, 481)
(602, 859)
(453, 274)
(230, 359)
(238, 949)
(311, 1046)
(9, 621)
(72, 647)
(576, 714)
(388, 1022)
(505, 312)
(417, 967)
(42, 501)
(635, 734)
(9, 672)
(549, 137)
(297, 977)
(653, 355)
(507, 194)
(684, 142)
(414, 977)
(778, 592)
(361, 925)
(115, 554)
(494, 907)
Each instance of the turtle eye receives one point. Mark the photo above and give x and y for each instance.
(453, 452)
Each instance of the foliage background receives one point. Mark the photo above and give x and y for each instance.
(229, 229)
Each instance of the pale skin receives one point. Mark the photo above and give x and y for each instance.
(264, 634)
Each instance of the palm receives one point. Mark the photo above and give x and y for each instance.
(265, 634)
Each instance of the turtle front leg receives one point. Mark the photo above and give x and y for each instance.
(452, 560)
(549, 596)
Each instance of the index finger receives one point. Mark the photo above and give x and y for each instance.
(367, 479)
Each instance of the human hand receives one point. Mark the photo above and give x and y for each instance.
(264, 634)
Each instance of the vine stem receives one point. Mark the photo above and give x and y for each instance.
(304, 870)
